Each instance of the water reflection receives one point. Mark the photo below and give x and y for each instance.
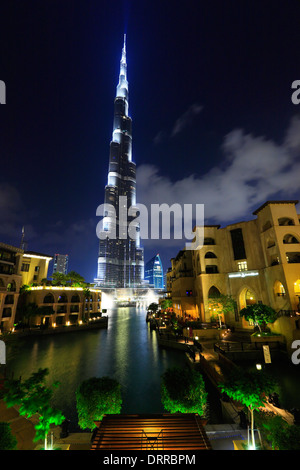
(127, 351)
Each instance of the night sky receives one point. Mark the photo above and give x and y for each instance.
(209, 95)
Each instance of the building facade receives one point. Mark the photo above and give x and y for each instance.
(34, 267)
(10, 283)
(58, 305)
(257, 261)
(121, 258)
(154, 273)
(60, 264)
(64, 306)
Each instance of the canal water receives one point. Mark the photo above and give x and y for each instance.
(126, 351)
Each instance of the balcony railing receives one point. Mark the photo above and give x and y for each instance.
(288, 313)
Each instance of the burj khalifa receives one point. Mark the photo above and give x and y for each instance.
(120, 258)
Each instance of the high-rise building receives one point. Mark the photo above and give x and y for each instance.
(154, 273)
(120, 259)
(60, 264)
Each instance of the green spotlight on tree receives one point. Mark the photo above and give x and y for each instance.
(183, 391)
(96, 397)
(251, 388)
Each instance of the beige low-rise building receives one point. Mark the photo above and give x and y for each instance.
(34, 268)
(256, 261)
(57, 305)
(10, 283)
(64, 305)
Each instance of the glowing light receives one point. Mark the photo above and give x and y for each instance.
(244, 274)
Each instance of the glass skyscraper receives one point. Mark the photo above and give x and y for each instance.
(121, 258)
(154, 273)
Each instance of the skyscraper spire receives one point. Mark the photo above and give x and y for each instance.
(122, 88)
(121, 259)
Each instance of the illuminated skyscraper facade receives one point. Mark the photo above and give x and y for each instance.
(154, 273)
(121, 259)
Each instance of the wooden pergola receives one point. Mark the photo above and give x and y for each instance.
(151, 432)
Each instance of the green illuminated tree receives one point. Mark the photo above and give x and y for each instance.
(166, 303)
(75, 279)
(260, 314)
(34, 397)
(183, 391)
(59, 279)
(225, 304)
(96, 397)
(251, 388)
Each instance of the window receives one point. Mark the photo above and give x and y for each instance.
(242, 266)
(209, 241)
(211, 269)
(287, 239)
(285, 221)
(210, 254)
(25, 267)
(48, 299)
(238, 246)
(37, 269)
(293, 257)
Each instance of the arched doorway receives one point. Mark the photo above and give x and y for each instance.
(247, 297)
(215, 308)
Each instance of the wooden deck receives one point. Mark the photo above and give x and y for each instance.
(151, 432)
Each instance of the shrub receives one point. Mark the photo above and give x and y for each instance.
(96, 397)
(183, 391)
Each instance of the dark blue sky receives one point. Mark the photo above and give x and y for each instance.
(197, 71)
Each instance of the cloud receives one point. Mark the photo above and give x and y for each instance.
(254, 170)
(186, 118)
(180, 124)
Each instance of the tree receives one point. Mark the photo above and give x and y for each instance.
(7, 440)
(34, 397)
(183, 391)
(166, 303)
(250, 388)
(96, 397)
(260, 314)
(222, 304)
(74, 278)
(153, 307)
(59, 279)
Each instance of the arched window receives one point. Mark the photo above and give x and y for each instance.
(210, 254)
(288, 238)
(75, 298)
(62, 299)
(11, 287)
(279, 289)
(214, 292)
(49, 299)
(286, 221)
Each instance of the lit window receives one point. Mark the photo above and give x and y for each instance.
(242, 266)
